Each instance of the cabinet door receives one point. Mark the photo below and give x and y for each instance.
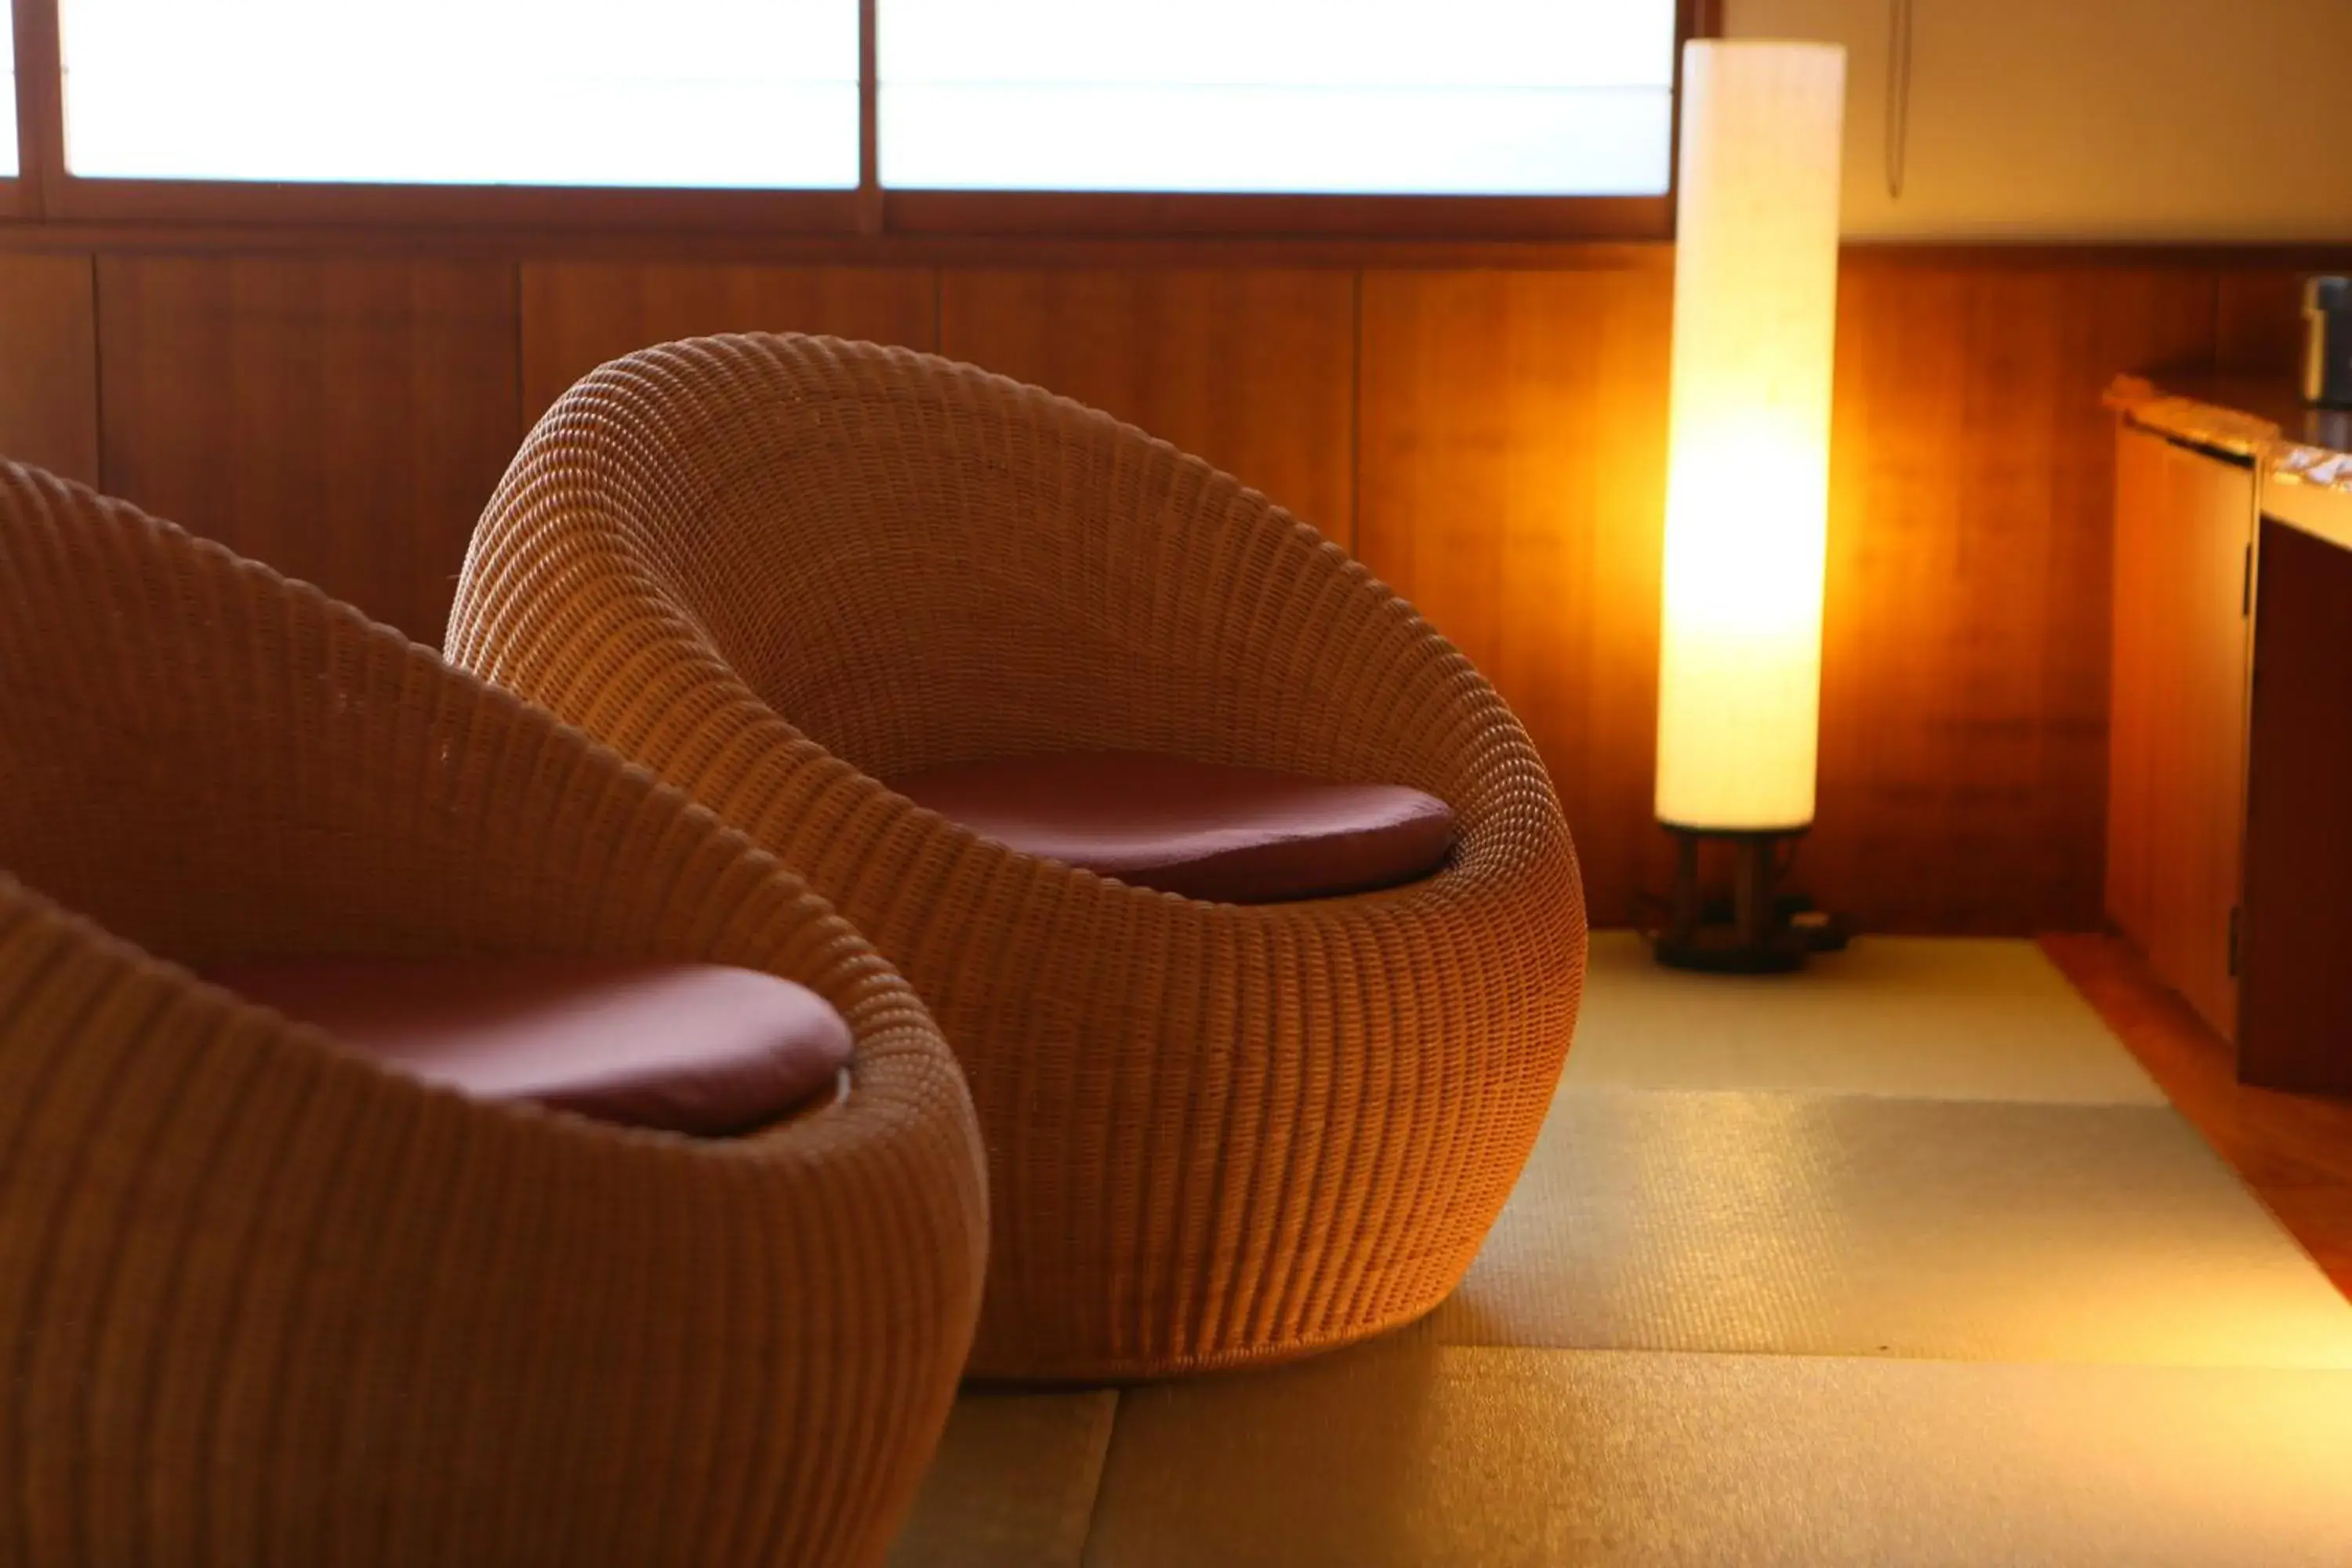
(2297, 1018)
(2196, 718)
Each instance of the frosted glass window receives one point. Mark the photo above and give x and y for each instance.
(8, 108)
(759, 93)
(1455, 97)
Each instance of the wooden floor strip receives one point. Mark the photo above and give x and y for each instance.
(2294, 1150)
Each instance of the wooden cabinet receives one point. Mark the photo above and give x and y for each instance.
(2177, 757)
(2296, 1017)
(2230, 778)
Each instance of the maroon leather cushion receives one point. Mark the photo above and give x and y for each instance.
(690, 1047)
(1236, 836)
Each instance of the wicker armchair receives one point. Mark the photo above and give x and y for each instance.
(261, 1300)
(779, 570)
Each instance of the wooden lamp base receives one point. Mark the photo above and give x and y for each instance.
(1759, 931)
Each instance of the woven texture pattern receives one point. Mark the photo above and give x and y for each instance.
(262, 1301)
(781, 569)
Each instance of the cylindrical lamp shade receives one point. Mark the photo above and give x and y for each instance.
(1747, 489)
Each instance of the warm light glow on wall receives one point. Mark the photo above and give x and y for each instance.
(1748, 491)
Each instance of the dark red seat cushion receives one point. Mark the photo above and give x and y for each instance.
(688, 1047)
(1236, 835)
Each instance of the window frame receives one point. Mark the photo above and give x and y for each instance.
(45, 192)
(20, 193)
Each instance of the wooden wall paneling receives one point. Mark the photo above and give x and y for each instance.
(576, 314)
(1964, 704)
(49, 364)
(1251, 369)
(1513, 486)
(2258, 322)
(344, 420)
(1497, 436)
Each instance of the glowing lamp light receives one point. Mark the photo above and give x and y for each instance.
(1756, 261)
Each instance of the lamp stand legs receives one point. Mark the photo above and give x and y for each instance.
(1759, 931)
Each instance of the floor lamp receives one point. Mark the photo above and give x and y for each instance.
(1756, 260)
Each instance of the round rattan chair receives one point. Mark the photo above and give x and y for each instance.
(262, 1300)
(779, 570)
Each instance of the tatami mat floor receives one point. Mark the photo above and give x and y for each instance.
(1903, 1262)
(1925, 1018)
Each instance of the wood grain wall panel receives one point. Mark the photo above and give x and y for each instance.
(1513, 485)
(343, 420)
(1964, 704)
(49, 364)
(2259, 321)
(577, 315)
(1252, 370)
(1493, 442)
